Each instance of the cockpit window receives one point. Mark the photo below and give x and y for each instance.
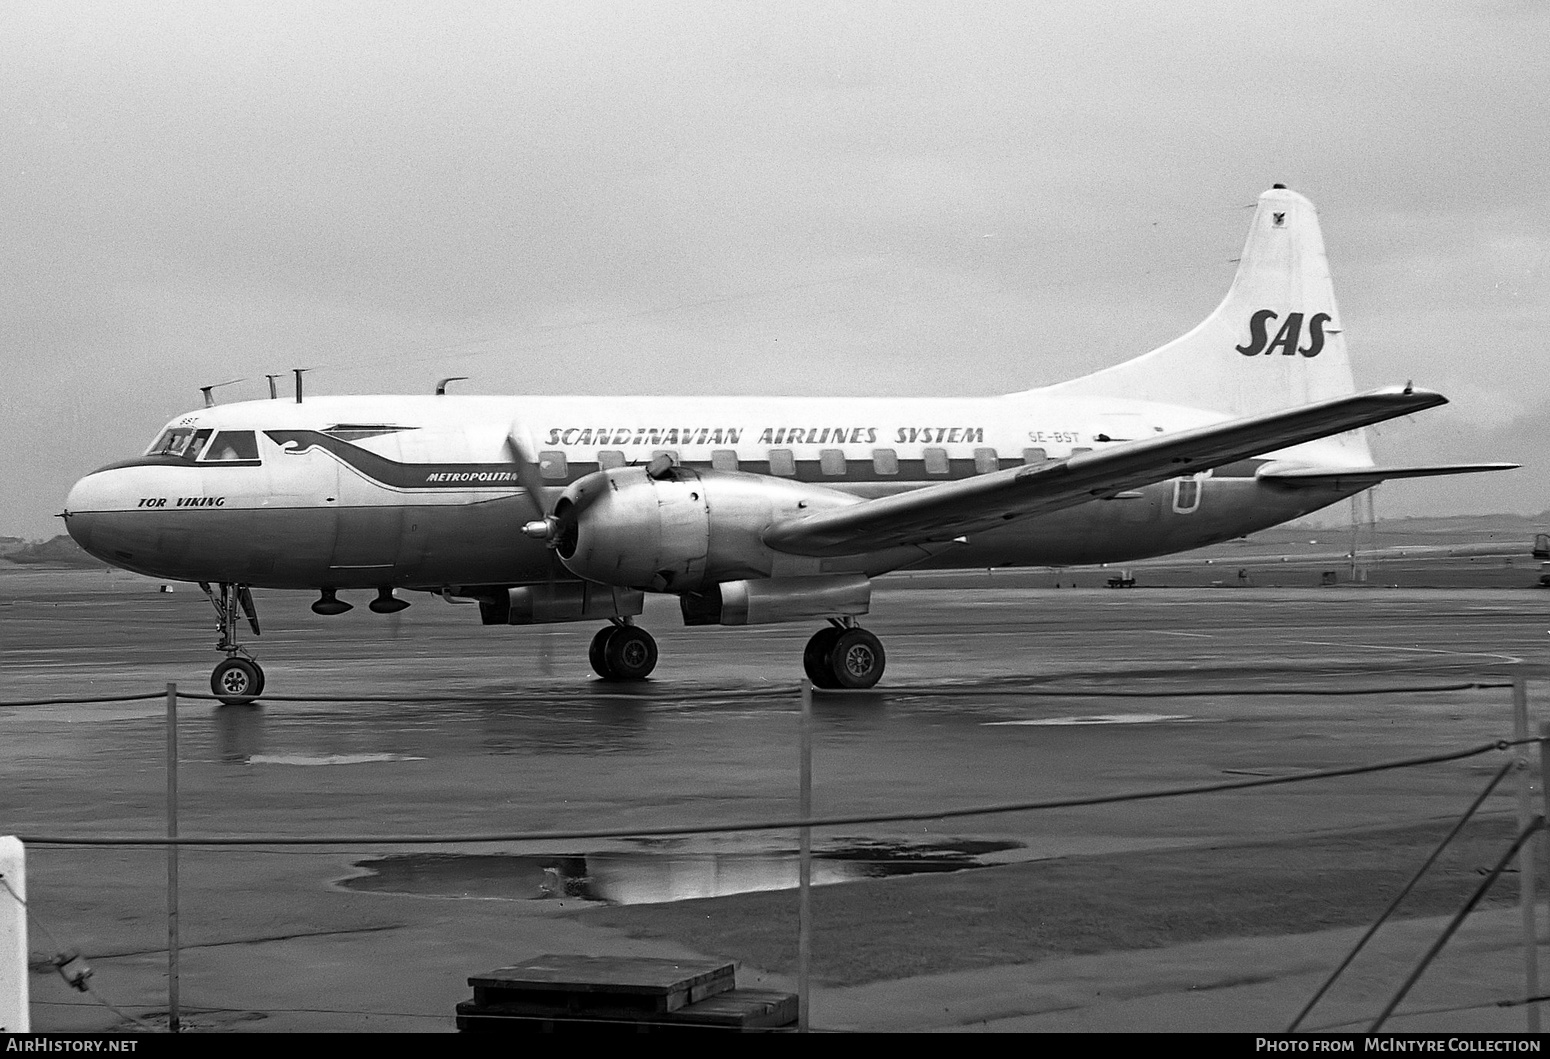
(182, 442)
(233, 445)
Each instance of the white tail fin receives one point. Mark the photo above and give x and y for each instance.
(1275, 341)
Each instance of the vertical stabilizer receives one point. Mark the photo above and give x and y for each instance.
(1275, 341)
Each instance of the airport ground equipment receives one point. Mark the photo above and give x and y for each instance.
(556, 993)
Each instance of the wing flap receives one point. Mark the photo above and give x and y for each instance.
(1293, 475)
(953, 509)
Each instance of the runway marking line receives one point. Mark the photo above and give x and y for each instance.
(327, 759)
(1415, 650)
(1101, 718)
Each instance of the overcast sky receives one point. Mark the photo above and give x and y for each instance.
(936, 198)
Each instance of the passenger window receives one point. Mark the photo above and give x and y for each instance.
(885, 461)
(1186, 494)
(231, 445)
(936, 461)
(831, 461)
(671, 454)
(1032, 456)
(782, 463)
(986, 460)
(724, 460)
(551, 464)
(608, 459)
(1087, 449)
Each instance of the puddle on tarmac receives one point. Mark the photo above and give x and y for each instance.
(628, 878)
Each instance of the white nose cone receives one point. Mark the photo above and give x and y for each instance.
(86, 495)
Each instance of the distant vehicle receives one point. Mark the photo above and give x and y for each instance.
(751, 510)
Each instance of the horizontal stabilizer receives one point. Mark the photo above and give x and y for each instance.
(1294, 475)
(953, 509)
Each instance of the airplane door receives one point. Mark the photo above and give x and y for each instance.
(368, 521)
(366, 538)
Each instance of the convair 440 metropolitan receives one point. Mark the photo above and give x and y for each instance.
(754, 510)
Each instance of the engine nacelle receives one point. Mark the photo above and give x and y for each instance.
(564, 601)
(778, 599)
(680, 531)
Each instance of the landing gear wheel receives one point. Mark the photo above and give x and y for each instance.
(856, 660)
(630, 653)
(595, 653)
(815, 657)
(622, 652)
(237, 681)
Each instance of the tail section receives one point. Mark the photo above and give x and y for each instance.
(1274, 342)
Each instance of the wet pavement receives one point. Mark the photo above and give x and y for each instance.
(444, 727)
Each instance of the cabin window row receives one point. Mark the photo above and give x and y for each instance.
(832, 463)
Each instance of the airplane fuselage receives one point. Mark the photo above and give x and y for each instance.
(420, 492)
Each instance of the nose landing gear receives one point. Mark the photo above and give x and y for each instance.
(844, 656)
(239, 679)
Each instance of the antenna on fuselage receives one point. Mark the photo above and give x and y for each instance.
(274, 394)
(209, 393)
(298, 372)
(441, 387)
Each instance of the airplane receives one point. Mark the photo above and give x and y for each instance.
(753, 510)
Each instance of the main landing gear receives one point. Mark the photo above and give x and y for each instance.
(239, 679)
(622, 651)
(841, 656)
(844, 656)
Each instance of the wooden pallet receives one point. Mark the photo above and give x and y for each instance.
(619, 994)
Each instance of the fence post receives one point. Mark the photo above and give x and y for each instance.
(1541, 844)
(15, 1007)
(1526, 857)
(172, 858)
(805, 868)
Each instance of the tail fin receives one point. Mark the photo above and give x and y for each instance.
(1274, 342)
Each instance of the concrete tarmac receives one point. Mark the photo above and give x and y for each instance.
(272, 939)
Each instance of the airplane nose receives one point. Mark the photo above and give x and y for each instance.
(95, 514)
(83, 505)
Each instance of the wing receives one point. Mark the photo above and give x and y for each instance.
(953, 509)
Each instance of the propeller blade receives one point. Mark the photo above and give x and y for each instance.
(525, 464)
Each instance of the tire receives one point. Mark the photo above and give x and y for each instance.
(630, 653)
(237, 681)
(815, 657)
(596, 653)
(856, 660)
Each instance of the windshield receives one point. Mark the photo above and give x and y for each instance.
(183, 442)
(232, 446)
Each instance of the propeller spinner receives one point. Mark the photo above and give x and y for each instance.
(525, 464)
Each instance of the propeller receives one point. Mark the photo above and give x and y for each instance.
(525, 463)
